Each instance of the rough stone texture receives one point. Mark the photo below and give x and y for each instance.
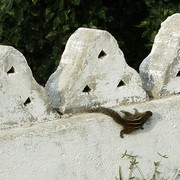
(93, 72)
(88, 146)
(160, 70)
(22, 100)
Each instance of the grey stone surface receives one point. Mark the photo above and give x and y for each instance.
(22, 100)
(160, 69)
(93, 72)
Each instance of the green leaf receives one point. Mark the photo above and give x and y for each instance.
(66, 17)
(17, 1)
(156, 164)
(102, 14)
(19, 15)
(34, 2)
(66, 27)
(76, 2)
(6, 5)
(61, 4)
(49, 14)
(149, 2)
(51, 34)
(35, 12)
(11, 13)
(144, 23)
(56, 22)
(152, 36)
(56, 52)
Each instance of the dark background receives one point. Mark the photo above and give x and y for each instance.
(40, 28)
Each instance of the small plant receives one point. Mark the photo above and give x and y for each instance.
(120, 174)
(157, 174)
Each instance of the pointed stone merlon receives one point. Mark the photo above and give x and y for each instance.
(22, 100)
(160, 71)
(93, 72)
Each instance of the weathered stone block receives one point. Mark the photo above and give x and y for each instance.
(22, 100)
(160, 70)
(93, 72)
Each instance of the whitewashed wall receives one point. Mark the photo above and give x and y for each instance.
(36, 143)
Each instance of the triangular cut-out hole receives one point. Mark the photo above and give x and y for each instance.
(102, 54)
(178, 74)
(12, 70)
(28, 100)
(86, 89)
(121, 83)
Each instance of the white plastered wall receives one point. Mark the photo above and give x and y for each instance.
(88, 146)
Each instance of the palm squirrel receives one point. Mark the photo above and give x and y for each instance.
(130, 122)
